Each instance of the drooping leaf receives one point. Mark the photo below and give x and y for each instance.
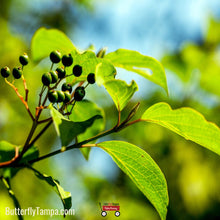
(7, 152)
(67, 130)
(11, 193)
(85, 110)
(186, 122)
(141, 64)
(142, 170)
(120, 92)
(64, 195)
(45, 41)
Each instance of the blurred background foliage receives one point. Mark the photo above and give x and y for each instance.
(185, 37)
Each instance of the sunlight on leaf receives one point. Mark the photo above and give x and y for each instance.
(186, 122)
(120, 92)
(142, 170)
(45, 41)
(138, 63)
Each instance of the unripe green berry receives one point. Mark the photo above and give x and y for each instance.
(55, 56)
(67, 96)
(24, 59)
(54, 76)
(61, 96)
(77, 70)
(17, 72)
(46, 79)
(67, 60)
(5, 72)
(53, 96)
(79, 93)
(66, 87)
(91, 78)
(61, 72)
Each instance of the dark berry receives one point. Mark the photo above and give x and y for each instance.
(79, 93)
(77, 70)
(46, 79)
(66, 87)
(17, 72)
(67, 60)
(91, 78)
(53, 96)
(61, 96)
(54, 76)
(67, 97)
(24, 59)
(55, 56)
(5, 72)
(61, 72)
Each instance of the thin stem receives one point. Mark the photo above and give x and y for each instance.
(41, 93)
(45, 120)
(30, 135)
(41, 132)
(51, 66)
(21, 98)
(77, 145)
(119, 118)
(25, 88)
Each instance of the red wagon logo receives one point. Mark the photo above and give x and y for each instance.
(110, 207)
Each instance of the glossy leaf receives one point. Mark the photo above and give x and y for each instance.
(85, 110)
(45, 41)
(67, 130)
(141, 64)
(186, 122)
(120, 92)
(7, 152)
(142, 170)
(64, 195)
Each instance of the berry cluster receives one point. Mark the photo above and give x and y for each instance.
(64, 95)
(51, 80)
(17, 71)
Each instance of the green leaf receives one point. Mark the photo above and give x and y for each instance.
(120, 92)
(64, 195)
(143, 171)
(141, 64)
(85, 110)
(186, 122)
(7, 152)
(67, 130)
(6, 182)
(103, 69)
(45, 41)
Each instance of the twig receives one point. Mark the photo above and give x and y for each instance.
(21, 98)
(7, 163)
(25, 88)
(41, 132)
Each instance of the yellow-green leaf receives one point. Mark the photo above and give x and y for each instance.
(120, 92)
(142, 170)
(145, 66)
(45, 41)
(186, 122)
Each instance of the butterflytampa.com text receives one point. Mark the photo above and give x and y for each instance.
(30, 211)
